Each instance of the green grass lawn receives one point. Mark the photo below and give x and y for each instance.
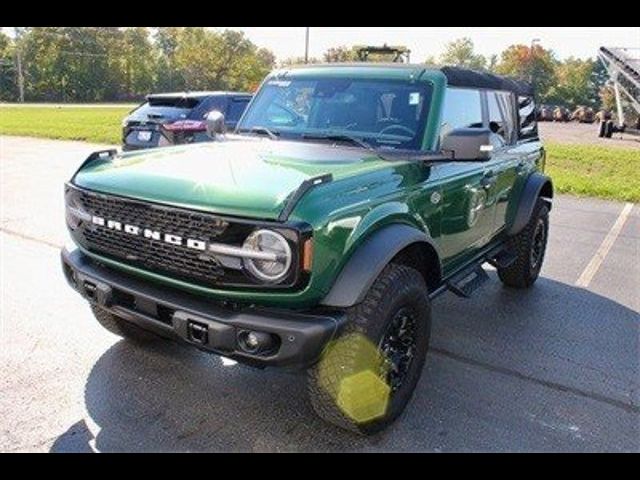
(98, 125)
(595, 171)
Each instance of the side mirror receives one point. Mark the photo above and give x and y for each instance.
(469, 144)
(215, 124)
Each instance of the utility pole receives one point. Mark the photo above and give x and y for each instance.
(535, 42)
(306, 45)
(19, 64)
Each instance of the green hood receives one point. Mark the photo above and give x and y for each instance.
(238, 177)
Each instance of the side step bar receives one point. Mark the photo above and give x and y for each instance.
(465, 283)
(503, 259)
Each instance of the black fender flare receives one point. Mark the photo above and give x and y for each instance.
(536, 186)
(368, 262)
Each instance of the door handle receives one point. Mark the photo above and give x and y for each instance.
(489, 180)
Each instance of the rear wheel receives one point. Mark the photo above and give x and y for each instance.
(367, 376)
(122, 328)
(602, 130)
(609, 129)
(530, 246)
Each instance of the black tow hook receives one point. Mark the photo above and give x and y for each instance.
(198, 333)
(90, 290)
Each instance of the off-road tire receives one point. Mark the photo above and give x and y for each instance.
(122, 328)
(609, 130)
(523, 273)
(396, 289)
(602, 130)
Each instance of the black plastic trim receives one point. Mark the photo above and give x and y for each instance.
(368, 262)
(299, 194)
(104, 155)
(528, 199)
(303, 335)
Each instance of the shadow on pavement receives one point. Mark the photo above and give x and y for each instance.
(165, 397)
(74, 440)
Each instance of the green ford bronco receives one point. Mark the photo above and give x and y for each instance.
(316, 236)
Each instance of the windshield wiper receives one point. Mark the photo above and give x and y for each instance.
(262, 131)
(340, 138)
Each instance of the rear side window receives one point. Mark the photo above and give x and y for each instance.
(236, 109)
(528, 118)
(501, 117)
(174, 102)
(462, 109)
(206, 106)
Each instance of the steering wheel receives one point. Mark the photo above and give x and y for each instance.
(404, 129)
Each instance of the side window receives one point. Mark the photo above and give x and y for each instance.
(501, 117)
(462, 109)
(236, 109)
(206, 106)
(528, 118)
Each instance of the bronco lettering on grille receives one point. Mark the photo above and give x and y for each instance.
(158, 236)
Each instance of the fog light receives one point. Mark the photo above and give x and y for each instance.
(256, 342)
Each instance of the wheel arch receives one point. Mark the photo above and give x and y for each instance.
(537, 186)
(398, 243)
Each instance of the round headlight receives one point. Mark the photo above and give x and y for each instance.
(276, 267)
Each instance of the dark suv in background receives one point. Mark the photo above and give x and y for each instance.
(178, 118)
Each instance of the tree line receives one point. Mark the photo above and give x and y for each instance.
(114, 64)
(569, 83)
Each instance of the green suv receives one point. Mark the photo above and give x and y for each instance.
(316, 236)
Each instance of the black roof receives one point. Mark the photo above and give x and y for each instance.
(462, 77)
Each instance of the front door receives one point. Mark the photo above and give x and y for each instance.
(468, 206)
(468, 212)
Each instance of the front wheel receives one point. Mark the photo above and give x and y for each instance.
(367, 376)
(530, 247)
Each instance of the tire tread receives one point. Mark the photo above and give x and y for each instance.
(360, 319)
(518, 274)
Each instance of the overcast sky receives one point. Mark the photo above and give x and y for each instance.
(582, 42)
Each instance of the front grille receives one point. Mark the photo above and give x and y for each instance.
(157, 256)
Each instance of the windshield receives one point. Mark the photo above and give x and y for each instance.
(385, 114)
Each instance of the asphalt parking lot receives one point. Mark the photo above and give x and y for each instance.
(584, 134)
(553, 369)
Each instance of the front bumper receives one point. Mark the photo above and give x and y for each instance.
(301, 337)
